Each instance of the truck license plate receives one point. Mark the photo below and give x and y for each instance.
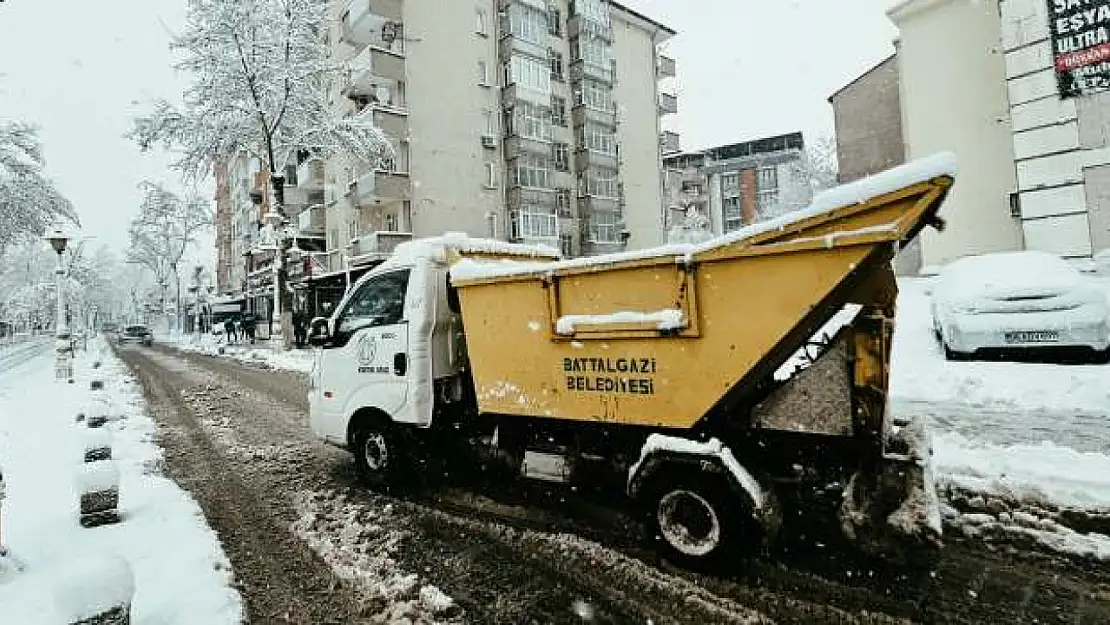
(1039, 336)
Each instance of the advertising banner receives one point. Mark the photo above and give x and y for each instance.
(1080, 34)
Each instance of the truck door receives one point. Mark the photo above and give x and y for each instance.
(367, 362)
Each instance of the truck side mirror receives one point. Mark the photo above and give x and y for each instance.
(319, 334)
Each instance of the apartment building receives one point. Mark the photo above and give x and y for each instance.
(528, 120)
(738, 184)
(867, 113)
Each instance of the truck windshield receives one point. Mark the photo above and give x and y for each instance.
(379, 301)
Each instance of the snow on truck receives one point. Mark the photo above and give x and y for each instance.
(704, 382)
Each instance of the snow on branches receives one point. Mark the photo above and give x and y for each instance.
(28, 200)
(261, 73)
(164, 228)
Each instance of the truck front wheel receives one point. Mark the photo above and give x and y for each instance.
(694, 519)
(377, 449)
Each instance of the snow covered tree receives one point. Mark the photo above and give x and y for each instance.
(261, 72)
(29, 202)
(694, 227)
(166, 226)
(816, 171)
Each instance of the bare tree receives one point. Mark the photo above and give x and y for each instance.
(29, 202)
(166, 226)
(261, 72)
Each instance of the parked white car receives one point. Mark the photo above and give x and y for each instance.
(1033, 302)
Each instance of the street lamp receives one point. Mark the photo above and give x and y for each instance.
(63, 350)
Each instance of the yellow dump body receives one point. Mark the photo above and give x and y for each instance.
(665, 338)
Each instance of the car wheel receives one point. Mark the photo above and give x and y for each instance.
(695, 520)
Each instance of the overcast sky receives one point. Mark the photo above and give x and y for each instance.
(80, 69)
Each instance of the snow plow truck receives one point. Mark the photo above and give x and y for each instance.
(703, 383)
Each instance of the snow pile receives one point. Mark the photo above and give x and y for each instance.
(358, 542)
(40, 450)
(668, 319)
(805, 356)
(1045, 474)
(259, 354)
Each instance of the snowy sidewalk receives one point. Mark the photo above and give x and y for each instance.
(1035, 436)
(181, 574)
(299, 360)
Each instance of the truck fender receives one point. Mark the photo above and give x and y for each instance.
(660, 450)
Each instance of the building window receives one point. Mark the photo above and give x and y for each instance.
(532, 170)
(532, 121)
(562, 202)
(390, 222)
(491, 176)
(489, 126)
(529, 73)
(534, 223)
(566, 245)
(483, 74)
(598, 138)
(559, 112)
(595, 95)
(554, 22)
(594, 52)
(561, 154)
(480, 22)
(556, 66)
(734, 218)
(491, 222)
(593, 10)
(767, 188)
(730, 184)
(603, 227)
(528, 23)
(599, 183)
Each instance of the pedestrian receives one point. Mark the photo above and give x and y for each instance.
(229, 329)
(300, 329)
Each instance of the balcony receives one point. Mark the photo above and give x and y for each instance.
(519, 197)
(312, 220)
(579, 26)
(362, 26)
(381, 243)
(373, 68)
(310, 175)
(513, 93)
(516, 145)
(665, 67)
(669, 142)
(585, 159)
(510, 43)
(379, 186)
(595, 204)
(580, 69)
(582, 113)
(668, 104)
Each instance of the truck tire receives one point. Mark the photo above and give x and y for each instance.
(378, 450)
(694, 518)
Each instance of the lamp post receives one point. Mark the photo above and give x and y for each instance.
(63, 350)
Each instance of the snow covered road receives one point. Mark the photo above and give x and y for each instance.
(502, 555)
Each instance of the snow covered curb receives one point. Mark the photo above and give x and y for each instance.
(260, 353)
(42, 449)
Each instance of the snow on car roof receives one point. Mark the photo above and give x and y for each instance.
(1009, 275)
(436, 248)
(858, 192)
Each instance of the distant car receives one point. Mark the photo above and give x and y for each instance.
(1019, 302)
(136, 334)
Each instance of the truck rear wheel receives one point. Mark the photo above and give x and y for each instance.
(694, 519)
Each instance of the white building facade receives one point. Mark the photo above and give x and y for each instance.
(980, 79)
